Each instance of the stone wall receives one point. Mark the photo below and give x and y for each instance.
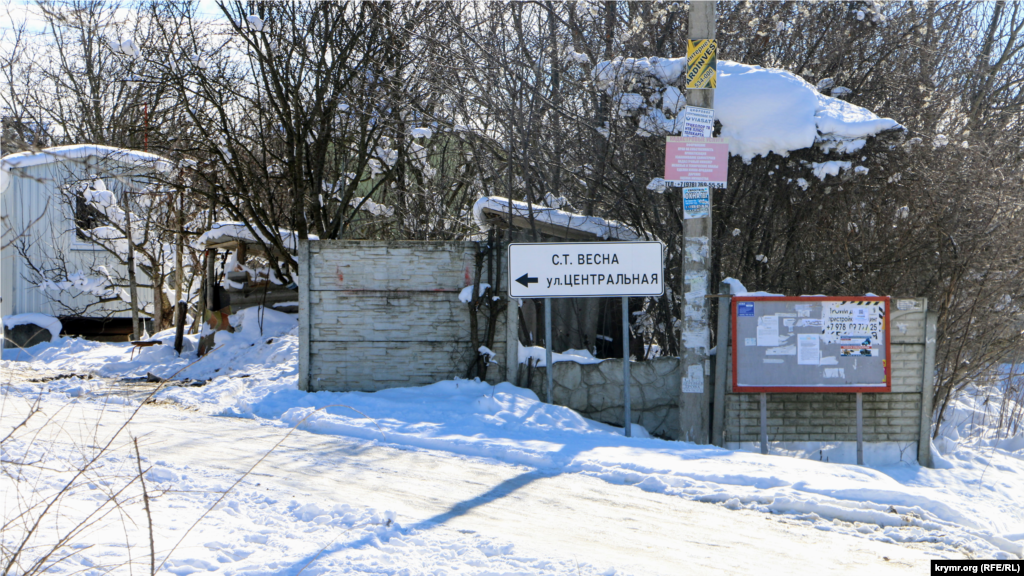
(376, 315)
(903, 415)
(595, 391)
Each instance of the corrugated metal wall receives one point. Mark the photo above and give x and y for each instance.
(34, 210)
(7, 264)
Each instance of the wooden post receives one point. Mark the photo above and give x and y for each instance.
(696, 337)
(625, 365)
(512, 341)
(179, 279)
(211, 280)
(133, 291)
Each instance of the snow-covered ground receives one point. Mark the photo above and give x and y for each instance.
(969, 506)
(206, 520)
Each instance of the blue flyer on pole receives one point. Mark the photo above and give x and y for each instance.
(696, 202)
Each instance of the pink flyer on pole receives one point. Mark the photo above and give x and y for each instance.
(696, 162)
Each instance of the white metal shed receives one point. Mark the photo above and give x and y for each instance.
(39, 228)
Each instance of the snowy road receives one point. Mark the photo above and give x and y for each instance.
(565, 516)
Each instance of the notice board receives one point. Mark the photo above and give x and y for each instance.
(811, 344)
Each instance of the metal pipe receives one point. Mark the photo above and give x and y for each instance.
(764, 423)
(860, 429)
(548, 367)
(625, 364)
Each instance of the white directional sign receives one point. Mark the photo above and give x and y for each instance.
(581, 269)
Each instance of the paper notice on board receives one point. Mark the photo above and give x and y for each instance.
(808, 349)
(860, 315)
(851, 319)
(768, 331)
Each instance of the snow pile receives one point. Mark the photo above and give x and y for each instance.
(599, 227)
(264, 345)
(45, 322)
(981, 418)
(736, 288)
(79, 152)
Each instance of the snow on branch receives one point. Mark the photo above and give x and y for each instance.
(762, 110)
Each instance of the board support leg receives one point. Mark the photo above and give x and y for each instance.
(625, 364)
(764, 423)
(860, 429)
(549, 369)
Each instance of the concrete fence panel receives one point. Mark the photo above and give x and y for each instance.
(385, 314)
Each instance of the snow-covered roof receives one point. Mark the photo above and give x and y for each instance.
(762, 110)
(78, 152)
(489, 211)
(231, 232)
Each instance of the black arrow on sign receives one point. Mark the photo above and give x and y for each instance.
(526, 280)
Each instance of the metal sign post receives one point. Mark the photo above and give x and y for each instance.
(860, 428)
(764, 423)
(548, 367)
(587, 270)
(625, 362)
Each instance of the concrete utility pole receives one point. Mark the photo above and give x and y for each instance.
(696, 335)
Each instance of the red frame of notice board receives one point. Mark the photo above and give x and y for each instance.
(736, 388)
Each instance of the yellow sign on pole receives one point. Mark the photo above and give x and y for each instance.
(701, 64)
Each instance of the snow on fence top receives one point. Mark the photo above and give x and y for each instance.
(224, 232)
(78, 152)
(491, 211)
(762, 110)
